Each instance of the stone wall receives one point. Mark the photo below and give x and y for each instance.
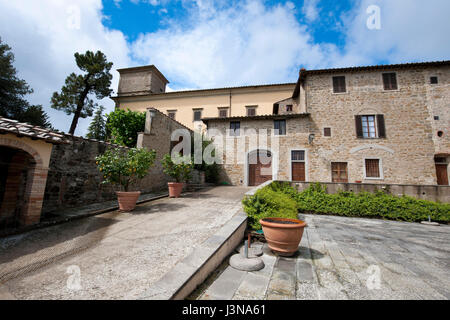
(406, 153)
(432, 193)
(74, 180)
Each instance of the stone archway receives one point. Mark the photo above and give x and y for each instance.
(24, 176)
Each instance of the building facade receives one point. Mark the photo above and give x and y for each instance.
(379, 124)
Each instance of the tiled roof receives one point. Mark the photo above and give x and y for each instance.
(21, 129)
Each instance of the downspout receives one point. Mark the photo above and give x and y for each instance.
(230, 103)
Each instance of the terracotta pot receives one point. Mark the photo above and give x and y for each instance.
(127, 200)
(283, 238)
(175, 189)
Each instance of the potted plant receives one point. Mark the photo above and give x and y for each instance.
(179, 168)
(124, 167)
(283, 235)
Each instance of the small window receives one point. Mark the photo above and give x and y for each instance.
(171, 114)
(223, 112)
(390, 81)
(433, 80)
(339, 172)
(197, 115)
(372, 168)
(251, 111)
(436, 118)
(327, 132)
(289, 108)
(339, 84)
(279, 127)
(276, 108)
(235, 127)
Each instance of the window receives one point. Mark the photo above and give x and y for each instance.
(171, 114)
(289, 108)
(370, 126)
(197, 115)
(339, 172)
(251, 111)
(279, 127)
(433, 80)
(390, 81)
(298, 165)
(373, 168)
(339, 84)
(223, 112)
(327, 132)
(436, 117)
(235, 127)
(276, 108)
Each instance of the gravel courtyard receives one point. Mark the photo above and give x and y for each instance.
(113, 255)
(348, 258)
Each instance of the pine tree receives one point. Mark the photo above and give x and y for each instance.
(74, 97)
(97, 128)
(12, 93)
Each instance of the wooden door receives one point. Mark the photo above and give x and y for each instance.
(298, 171)
(258, 172)
(442, 174)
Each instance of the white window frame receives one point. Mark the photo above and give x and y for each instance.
(251, 107)
(380, 169)
(377, 134)
(305, 161)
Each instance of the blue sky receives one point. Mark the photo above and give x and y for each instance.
(206, 43)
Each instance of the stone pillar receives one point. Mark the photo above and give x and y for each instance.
(34, 195)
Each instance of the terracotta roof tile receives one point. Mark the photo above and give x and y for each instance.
(22, 129)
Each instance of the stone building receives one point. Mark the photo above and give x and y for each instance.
(385, 124)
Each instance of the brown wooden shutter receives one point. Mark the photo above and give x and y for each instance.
(381, 126)
(298, 171)
(390, 81)
(358, 125)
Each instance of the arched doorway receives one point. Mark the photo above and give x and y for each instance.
(259, 167)
(16, 170)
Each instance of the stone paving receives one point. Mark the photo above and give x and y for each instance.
(348, 258)
(113, 255)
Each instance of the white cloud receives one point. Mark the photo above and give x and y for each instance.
(45, 34)
(410, 31)
(217, 44)
(245, 44)
(310, 10)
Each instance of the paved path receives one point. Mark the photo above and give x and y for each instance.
(116, 255)
(341, 258)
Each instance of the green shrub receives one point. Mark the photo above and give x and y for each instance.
(124, 126)
(375, 205)
(275, 200)
(267, 203)
(124, 167)
(177, 168)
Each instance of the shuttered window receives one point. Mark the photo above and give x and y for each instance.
(373, 168)
(390, 81)
(370, 126)
(197, 115)
(339, 172)
(339, 84)
(251, 111)
(223, 113)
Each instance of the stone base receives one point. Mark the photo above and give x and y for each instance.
(430, 223)
(237, 261)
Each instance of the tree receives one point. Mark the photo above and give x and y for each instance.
(12, 92)
(124, 126)
(97, 128)
(74, 96)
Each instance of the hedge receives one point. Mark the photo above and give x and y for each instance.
(267, 203)
(316, 200)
